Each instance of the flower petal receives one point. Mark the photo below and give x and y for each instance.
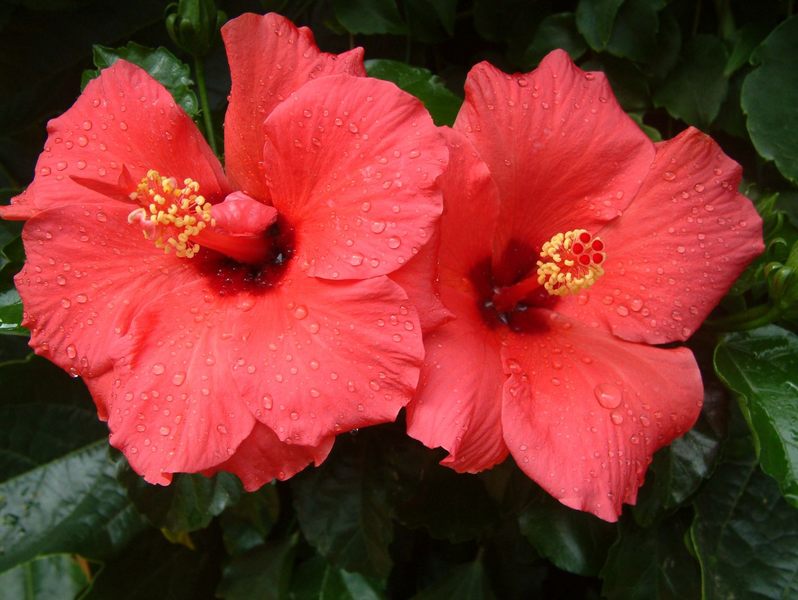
(677, 249)
(558, 146)
(269, 59)
(173, 408)
(87, 272)
(584, 412)
(458, 403)
(262, 457)
(314, 358)
(352, 163)
(123, 120)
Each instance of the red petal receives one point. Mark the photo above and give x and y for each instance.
(419, 280)
(352, 163)
(677, 249)
(458, 403)
(123, 119)
(87, 272)
(173, 408)
(262, 457)
(584, 412)
(314, 358)
(561, 150)
(269, 59)
(471, 210)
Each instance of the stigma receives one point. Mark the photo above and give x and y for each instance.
(171, 215)
(571, 262)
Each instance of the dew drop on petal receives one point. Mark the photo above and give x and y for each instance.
(608, 395)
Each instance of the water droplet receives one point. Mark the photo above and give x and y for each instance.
(71, 351)
(178, 378)
(394, 242)
(65, 302)
(356, 259)
(608, 395)
(294, 415)
(268, 402)
(60, 280)
(669, 175)
(86, 125)
(122, 125)
(221, 428)
(164, 430)
(378, 226)
(141, 427)
(698, 187)
(622, 311)
(158, 369)
(616, 418)
(300, 312)
(82, 298)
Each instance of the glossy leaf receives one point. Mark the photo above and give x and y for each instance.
(164, 66)
(187, 504)
(574, 541)
(11, 313)
(555, 31)
(345, 508)
(761, 366)
(316, 578)
(369, 16)
(651, 563)
(248, 523)
(769, 98)
(53, 577)
(595, 20)
(634, 32)
(745, 534)
(465, 582)
(695, 89)
(431, 20)
(441, 103)
(151, 567)
(263, 573)
(679, 469)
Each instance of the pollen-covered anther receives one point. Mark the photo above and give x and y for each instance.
(571, 262)
(170, 215)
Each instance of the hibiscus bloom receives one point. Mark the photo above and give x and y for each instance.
(570, 246)
(234, 320)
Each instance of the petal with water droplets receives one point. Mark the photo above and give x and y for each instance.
(583, 412)
(327, 357)
(269, 59)
(544, 137)
(352, 163)
(678, 247)
(458, 403)
(123, 124)
(262, 458)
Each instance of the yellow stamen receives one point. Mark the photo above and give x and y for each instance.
(572, 262)
(170, 215)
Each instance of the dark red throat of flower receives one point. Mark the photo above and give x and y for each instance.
(181, 221)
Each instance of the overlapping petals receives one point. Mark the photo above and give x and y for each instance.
(254, 353)
(563, 382)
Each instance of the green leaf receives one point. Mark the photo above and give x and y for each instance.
(695, 89)
(761, 366)
(247, 524)
(679, 469)
(634, 33)
(745, 535)
(151, 567)
(161, 64)
(431, 20)
(450, 506)
(595, 20)
(187, 504)
(53, 577)
(651, 563)
(59, 491)
(574, 541)
(441, 103)
(769, 98)
(555, 31)
(465, 582)
(369, 16)
(11, 313)
(745, 40)
(263, 573)
(345, 507)
(316, 578)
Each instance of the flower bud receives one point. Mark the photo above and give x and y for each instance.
(194, 24)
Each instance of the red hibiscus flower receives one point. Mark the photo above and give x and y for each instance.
(234, 321)
(570, 245)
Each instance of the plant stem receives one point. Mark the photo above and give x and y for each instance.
(199, 70)
(748, 319)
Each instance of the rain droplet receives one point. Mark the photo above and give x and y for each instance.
(178, 378)
(71, 351)
(158, 369)
(669, 175)
(616, 418)
(164, 430)
(300, 312)
(608, 395)
(394, 242)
